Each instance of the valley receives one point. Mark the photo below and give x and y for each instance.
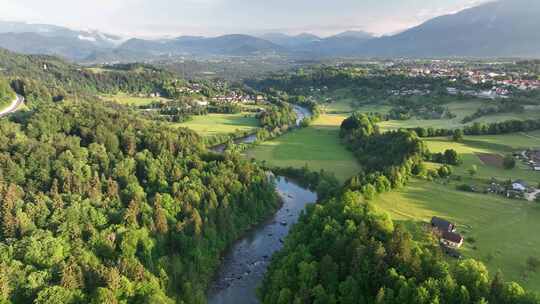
(195, 159)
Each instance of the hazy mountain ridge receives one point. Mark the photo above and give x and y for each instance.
(54, 40)
(506, 28)
(495, 29)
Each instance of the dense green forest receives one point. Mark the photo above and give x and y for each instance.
(345, 250)
(279, 116)
(45, 78)
(6, 93)
(99, 206)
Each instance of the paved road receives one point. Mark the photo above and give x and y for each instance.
(13, 106)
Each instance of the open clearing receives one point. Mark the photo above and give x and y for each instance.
(317, 146)
(128, 100)
(503, 230)
(221, 124)
(495, 145)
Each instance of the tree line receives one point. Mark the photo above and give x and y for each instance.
(477, 128)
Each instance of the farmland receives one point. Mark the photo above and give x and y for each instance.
(475, 147)
(317, 146)
(497, 230)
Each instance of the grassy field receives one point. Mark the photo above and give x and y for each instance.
(461, 110)
(317, 146)
(491, 144)
(221, 124)
(503, 230)
(128, 100)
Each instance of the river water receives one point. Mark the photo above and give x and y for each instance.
(244, 266)
(301, 114)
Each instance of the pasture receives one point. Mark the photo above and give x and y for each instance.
(498, 231)
(317, 146)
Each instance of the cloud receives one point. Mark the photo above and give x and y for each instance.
(212, 17)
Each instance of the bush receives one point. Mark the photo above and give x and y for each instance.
(533, 263)
(509, 162)
(465, 187)
(444, 171)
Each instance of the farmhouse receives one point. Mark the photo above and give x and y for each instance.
(442, 225)
(452, 239)
(519, 185)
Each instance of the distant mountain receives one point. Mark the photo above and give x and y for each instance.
(54, 40)
(355, 35)
(495, 29)
(232, 45)
(98, 38)
(504, 28)
(290, 41)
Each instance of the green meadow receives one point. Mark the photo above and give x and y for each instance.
(498, 231)
(317, 146)
(221, 124)
(499, 145)
(128, 100)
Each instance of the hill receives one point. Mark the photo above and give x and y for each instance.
(233, 45)
(495, 29)
(54, 40)
(290, 41)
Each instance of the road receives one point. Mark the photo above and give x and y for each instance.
(13, 106)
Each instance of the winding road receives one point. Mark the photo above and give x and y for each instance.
(13, 106)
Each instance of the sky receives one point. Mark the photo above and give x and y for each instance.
(153, 18)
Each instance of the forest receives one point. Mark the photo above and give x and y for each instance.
(99, 206)
(6, 94)
(345, 250)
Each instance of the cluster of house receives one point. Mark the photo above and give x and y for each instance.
(151, 95)
(494, 93)
(234, 98)
(449, 239)
(521, 84)
(410, 92)
(192, 88)
(530, 158)
(513, 189)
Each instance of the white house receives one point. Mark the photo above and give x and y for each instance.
(519, 186)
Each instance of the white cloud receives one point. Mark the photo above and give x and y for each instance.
(175, 17)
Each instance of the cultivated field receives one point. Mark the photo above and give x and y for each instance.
(498, 231)
(221, 124)
(317, 146)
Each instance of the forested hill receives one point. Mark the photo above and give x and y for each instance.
(47, 78)
(98, 206)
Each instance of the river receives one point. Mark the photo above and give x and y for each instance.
(301, 114)
(245, 264)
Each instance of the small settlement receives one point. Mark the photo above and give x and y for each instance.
(449, 239)
(530, 157)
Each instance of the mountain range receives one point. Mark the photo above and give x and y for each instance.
(504, 28)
